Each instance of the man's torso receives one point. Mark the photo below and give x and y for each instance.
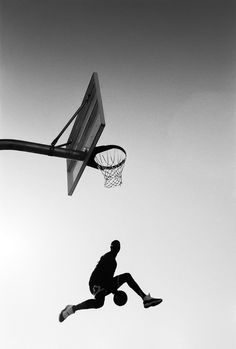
(104, 270)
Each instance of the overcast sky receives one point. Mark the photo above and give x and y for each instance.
(167, 75)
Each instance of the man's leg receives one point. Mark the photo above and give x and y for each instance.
(95, 303)
(148, 301)
(119, 280)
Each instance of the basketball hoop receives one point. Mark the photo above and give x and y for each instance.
(110, 160)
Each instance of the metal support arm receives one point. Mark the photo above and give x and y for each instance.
(50, 150)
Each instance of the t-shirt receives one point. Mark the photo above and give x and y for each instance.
(104, 270)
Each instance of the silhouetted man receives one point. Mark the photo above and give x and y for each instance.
(102, 282)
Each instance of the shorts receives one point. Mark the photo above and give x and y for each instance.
(97, 288)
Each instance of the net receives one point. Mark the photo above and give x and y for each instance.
(111, 163)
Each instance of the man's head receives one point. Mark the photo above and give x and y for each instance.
(115, 246)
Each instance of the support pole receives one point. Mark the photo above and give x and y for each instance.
(50, 150)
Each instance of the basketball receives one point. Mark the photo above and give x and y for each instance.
(120, 298)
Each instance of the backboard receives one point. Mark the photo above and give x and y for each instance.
(86, 131)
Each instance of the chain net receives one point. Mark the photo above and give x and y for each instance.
(111, 163)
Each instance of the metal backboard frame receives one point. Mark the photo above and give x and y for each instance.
(86, 131)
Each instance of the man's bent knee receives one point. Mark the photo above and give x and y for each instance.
(99, 303)
(127, 276)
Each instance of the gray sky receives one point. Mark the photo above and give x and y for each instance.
(167, 76)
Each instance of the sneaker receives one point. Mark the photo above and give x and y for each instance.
(148, 301)
(66, 312)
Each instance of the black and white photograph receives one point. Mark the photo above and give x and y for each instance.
(117, 174)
